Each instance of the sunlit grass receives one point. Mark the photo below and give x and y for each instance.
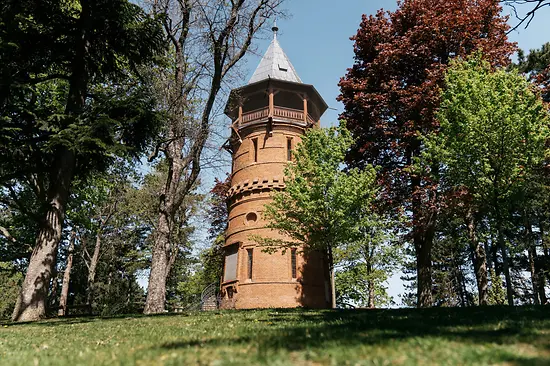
(492, 335)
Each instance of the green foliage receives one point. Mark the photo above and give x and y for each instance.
(326, 208)
(364, 264)
(490, 154)
(321, 203)
(10, 280)
(41, 56)
(494, 131)
(536, 60)
(496, 295)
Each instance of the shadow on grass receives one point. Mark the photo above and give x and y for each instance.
(299, 330)
(82, 319)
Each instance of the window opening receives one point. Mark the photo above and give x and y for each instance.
(293, 262)
(250, 262)
(230, 265)
(289, 149)
(255, 147)
(251, 217)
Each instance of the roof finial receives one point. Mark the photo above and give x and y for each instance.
(275, 29)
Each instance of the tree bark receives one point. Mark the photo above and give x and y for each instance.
(162, 247)
(423, 233)
(534, 280)
(371, 294)
(532, 255)
(156, 289)
(63, 311)
(423, 248)
(479, 259)
(541, 271)
(332, 277)
(32, 300)
(505, 264)
(92, 269)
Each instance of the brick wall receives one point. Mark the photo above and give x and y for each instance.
(254, 177)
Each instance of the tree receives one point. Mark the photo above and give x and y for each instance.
(391, 95)
(364, 263)
(321, 205)
(493, 137)
(537, 66)
(207, 38)
(59, 120)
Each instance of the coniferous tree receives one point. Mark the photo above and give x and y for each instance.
(55, 124)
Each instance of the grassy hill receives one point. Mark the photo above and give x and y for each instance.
(492, 335)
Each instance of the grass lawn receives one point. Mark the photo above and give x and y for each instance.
(491, 335)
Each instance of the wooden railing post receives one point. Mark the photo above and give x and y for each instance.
(240, 114)
(305, 110)
(271, 102)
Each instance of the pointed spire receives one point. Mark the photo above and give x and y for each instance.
(275, 63)
(275, 29)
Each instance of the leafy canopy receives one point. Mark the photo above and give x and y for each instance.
(494, 131)
(321, 204)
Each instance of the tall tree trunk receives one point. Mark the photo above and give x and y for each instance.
(423, 247)
(92, 270)
(54, 288)
(423, 233)
(505, 263)
(532, 255)
(479, 259)
(423, 272)
(531, 251)
(332, 276)
(370, 281)
(488, 258)
(542, 269)
(371, 294)
(32, 300)
(156, 289)
(66, 278)
(162, 247)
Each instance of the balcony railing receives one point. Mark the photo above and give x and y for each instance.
(255, 114)
(284, 113)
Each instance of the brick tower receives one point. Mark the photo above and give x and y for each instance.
(269, 115)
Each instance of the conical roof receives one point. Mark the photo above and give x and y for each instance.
(275, 64)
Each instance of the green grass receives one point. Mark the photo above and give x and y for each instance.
(492, 335)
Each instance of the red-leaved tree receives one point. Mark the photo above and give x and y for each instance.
(392, 92)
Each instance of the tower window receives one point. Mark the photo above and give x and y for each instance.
(230, 265)
(289, 148)
(293, 262)
(251, 218)
(250, 262)
(255, 149)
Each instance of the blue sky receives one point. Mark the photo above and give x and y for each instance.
(316, 34)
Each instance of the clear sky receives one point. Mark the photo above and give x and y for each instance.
(316, 34)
